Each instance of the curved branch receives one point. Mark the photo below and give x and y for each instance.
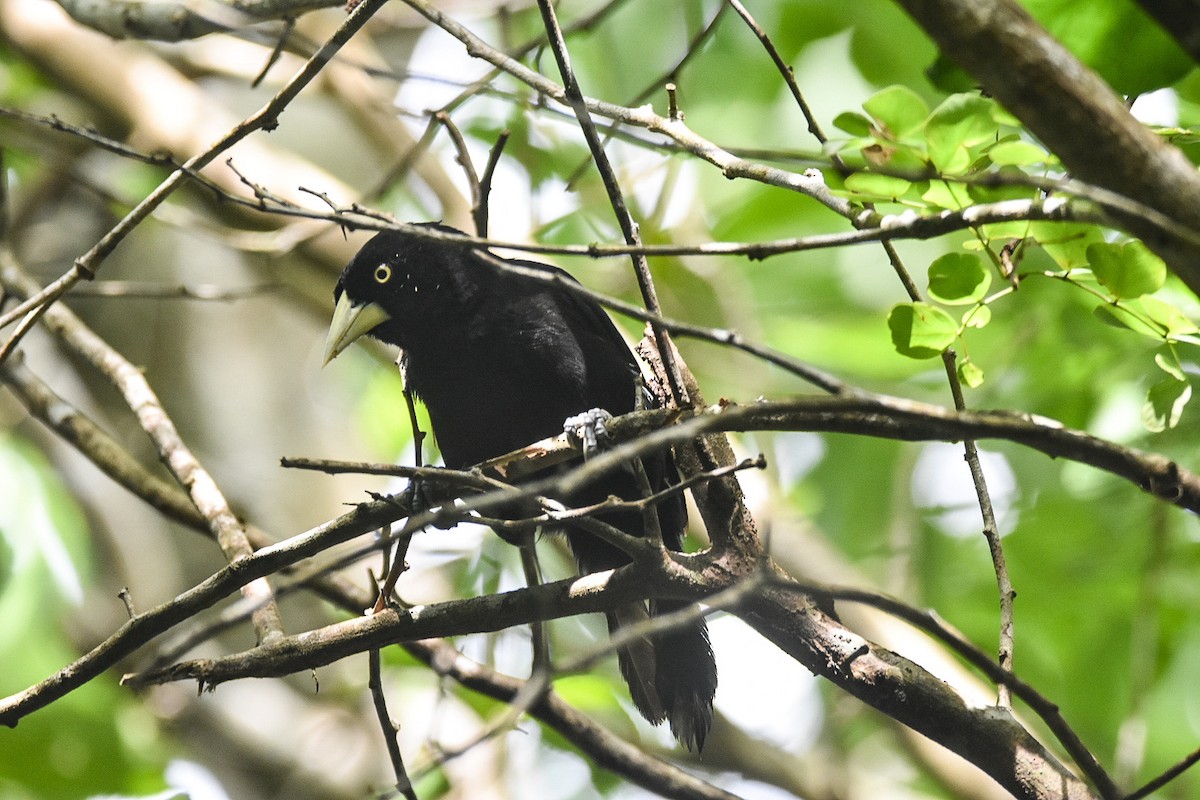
(265, 118)
(176, 455)
(180, 21)
(599, 591)
(989, 738)
(909, 420)
(144, 627)
(599, 744)
(75, 428)
(882, 416)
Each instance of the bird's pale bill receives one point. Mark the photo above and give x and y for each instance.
(350, 322)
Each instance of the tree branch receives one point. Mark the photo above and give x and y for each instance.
(184, 466)
(178, 21)
(607, 750)
(149, 624)
(1038, 80)
(264, 119)
(75, 428)
(990, 738)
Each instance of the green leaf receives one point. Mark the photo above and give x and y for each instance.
(1016, 153)
(853, 123)
(1170, 365)
(920, 330)
(587, 691)
(1127, 270)
(951, 158)
(946, 195)
(849, 145)
(1176, 135)
(966, 117)
(876, 185)
(999, 233)
(1117, 39)
(1173, 320)
(1164, 404)
(1066, 244)
(977, 317)
(970, 374)
(899, 157)
(1000, 192)
(1106, 315)
(898, 110)
(958, 279)
(1120, 316)
(961, 122)
(948, 76)
(1003, 117)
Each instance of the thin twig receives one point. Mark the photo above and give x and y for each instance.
(393, 572)
(991, 535)
(485, 183)
(184, 466)
(265, 118)
(1007, 595)
(1184, 764)
(390, 729)
(616, 197)
(789, 77)
(463, 157)
(75, 428)
(289, 25)
(539, 640)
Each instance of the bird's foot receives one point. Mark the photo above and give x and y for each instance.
(588, 428)
(419, 495)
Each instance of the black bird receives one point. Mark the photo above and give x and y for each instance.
(501, 361)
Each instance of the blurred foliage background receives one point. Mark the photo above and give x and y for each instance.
(1107, 596)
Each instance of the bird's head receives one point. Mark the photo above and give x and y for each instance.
(393, 285)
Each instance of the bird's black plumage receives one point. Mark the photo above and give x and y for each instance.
(501, 361)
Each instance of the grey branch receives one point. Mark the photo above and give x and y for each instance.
(183, 464)
(178, 20)
(997, 743)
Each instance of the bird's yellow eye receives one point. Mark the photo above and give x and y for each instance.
(383, 273)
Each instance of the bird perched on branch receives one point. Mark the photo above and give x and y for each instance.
(501, 361)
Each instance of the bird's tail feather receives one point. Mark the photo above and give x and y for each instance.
(686, 677)
(672, 676)
(638, 662)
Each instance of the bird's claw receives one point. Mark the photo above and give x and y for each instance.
(588, 427)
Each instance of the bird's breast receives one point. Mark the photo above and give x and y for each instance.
(480, 408)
